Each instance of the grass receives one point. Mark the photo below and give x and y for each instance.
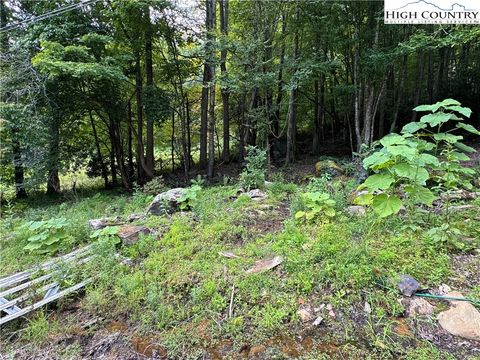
(179, 287)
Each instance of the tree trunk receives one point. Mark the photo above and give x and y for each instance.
(211, 108)
(129, 142)
(418, 83)
(401, 82)
(20, 191)
(99, 152)
(292, 102)
(149, 75)
(140, 154)
(225, 90)
(278, 101)
(53, 182)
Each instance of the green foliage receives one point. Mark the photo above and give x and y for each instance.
(189, 196)
(154, 186)
(253, 176)
(411, 165)
(318, 206)
(107, 234)
(47, 236)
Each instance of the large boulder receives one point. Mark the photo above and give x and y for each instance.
(328, 167)
(166, 202)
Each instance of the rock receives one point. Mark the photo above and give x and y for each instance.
(462, 319)
(317, 321)
(328, 167)
(263, 265)
(367, 308)
(407, 285)
(166, 202)
(134, 217)
(256, 194)
(355, 210)
(130, 233)
(97, 224)
(305, 314)
(444, 289)
(419, 306)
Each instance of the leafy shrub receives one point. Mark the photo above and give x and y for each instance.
(406, 162)
(47, 235)
(318, 205)
(154, 186)
(189, 197)
(253, 176)
(107, 234)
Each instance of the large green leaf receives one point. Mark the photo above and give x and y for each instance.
(413, 127)
(393, 139)
(420, 194)
(444, 104)
(460, 109)
(385, 205)
(376, 160)
(469, 128)
(414, 173)
(459, 156)
(378, 182)
(428, 159)
(464, 147)
(405, 151)
(452, 139)
(435, 119)
(363, 199)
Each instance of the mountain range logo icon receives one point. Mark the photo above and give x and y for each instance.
(423, 2)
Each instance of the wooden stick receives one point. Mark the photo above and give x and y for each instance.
(230, 308)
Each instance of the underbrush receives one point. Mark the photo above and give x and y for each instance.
(177, 285)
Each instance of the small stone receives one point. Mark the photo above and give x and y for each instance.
(419, 306)
(97, 224)
(134, 217)
(130, 233)
(329, 307)
(407, 285)
(367, 308)
(462, 319)
(320, 308)
(317, 321)
(331, 313)
(256, 194)
(444, 289)
(355, 210)
(305, 314)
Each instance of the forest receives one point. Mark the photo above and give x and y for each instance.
(229, 179)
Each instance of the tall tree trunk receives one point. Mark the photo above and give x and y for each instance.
(278, 101)
(131, 171)
(99, 152)
(211, 108)
(418, 83)
(318, 114)
(225, 91)
(20, 191)
(53, 181)
(113, 152)
(401, 83)
(149, 77)
(357, 88)
(141, 177)
(292, 102)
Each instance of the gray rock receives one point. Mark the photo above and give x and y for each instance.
(407, 285)
(166, 202)
(419, 306)
(355, 210)
(256, 194)
(97, 224)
